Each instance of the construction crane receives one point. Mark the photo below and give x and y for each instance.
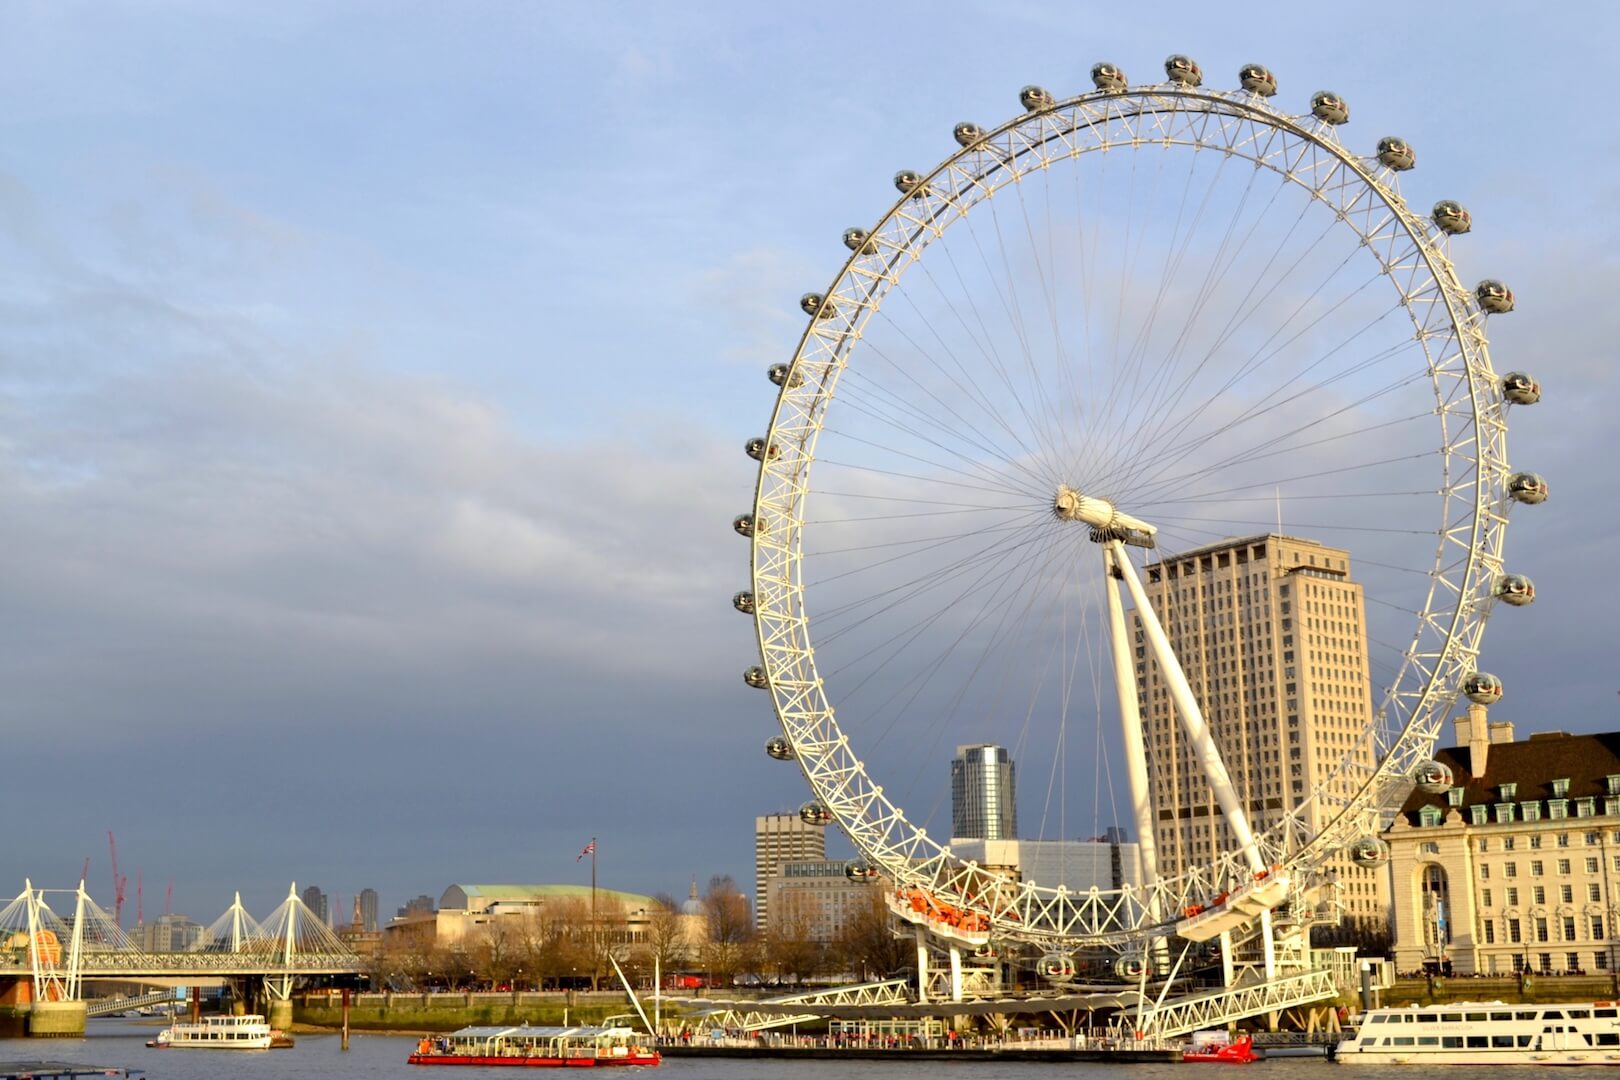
(168, 899)
(86, 871)
(119, 883)
(140, 904)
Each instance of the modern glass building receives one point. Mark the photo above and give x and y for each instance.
(984, 794)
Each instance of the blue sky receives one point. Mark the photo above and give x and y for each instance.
(373, 380)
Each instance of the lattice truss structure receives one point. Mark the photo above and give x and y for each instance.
(1452, 596)
(59, 952)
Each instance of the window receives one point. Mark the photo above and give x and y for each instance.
(1531, 811)
(1507, 843)
(1535, 867)
(1569, 932)
(1510, 791)
(1594, 839)
(1429, 847)
(1477, 813)
(1600, 961)
(1535, 840)
(1514, 933)
(1484, 842)
(1485, 897)
(1490, 932)
(1429, 816)
(1504, 813)
(1594, 892)
(1558, 809)
(1510, 870)
(1512, 896)
(1538, 895)
(1592, 867)
(1584, 808)
(1485, 869)
(1542, 934)
(1571, 961)
(1563, 839)
(1597, 928)
(1566, 894)
(1454, 797)
(1560, 788)
(1546, 960)
(1613, 781)
(1563, 866)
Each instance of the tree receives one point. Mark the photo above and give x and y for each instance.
(731, 929)
(663, 945)
(791, 951)
(868, 944)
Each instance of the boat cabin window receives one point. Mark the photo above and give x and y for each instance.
(1403, 1040)
(1606, 1014)
(1452, 1042)
(1427, 1018)
(1429, 1040)
(1476, 1042)
(1550, 1014)
(1476, 1018)
(1377, 1019)
(1608, 1038)
(1502, 1040)
(1499, 1016)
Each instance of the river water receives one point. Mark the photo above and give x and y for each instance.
(122, 1043)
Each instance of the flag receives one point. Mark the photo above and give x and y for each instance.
(590, 849)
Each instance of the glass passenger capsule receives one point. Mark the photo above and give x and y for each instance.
(1257, 79)
(1483, 688)
(1521, 388)
(1132, 966)
(909, 182)
(813, 303)
(1329, 107)
(779, 749)
(744, 524)
(857, 239)
(1396, 153)
(755, 677)
(779, 374)
(1369, 851)
(1452, 218)
(744, 602)
(1433, 778)
(860, 870)
(813, 813)
(1109, 77)
(1516, 590)
(1527, 487)
(1055, 966)
(755, 448)
(1494, 297)
(966, 134)
(1035, 98)
(1183, 71)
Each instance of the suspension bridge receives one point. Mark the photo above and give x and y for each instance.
(47, 956)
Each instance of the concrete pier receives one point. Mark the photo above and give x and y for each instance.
(279, 1013)
(56, 1019)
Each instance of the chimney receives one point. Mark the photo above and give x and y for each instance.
(1501, 731)
(1474, 732)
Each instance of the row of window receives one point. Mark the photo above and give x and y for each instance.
(1542, 930)
(1538, 895)
(1591, 839)
(1538, 867)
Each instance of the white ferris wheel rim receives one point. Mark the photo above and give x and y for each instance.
(1468, 559)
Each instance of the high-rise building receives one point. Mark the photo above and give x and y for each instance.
(316, 901)
(984, 794)
(171, 933)
(815, 898)
(1271, 633)
(781, 838)
(368, 910)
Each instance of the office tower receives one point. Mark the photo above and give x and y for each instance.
(368, 910)
(1271, 633)
(315, 900)
(780, 838)
(984, 795)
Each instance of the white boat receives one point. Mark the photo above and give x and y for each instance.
(249, 1032)
(1487, 1033)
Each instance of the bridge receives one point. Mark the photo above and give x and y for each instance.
(47, 957)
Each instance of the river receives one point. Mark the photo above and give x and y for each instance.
(122, 1043)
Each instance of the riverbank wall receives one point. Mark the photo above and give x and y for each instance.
(450, 1011)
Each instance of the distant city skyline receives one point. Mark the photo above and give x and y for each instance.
(374, 390)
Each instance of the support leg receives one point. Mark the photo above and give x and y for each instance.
(922, 965)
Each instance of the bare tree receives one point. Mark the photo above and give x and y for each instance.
(731, 929)
(868, 944)
(791, 951)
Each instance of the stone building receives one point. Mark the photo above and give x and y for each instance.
(1517, 865)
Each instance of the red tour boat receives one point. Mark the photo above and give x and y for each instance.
(1218, 1046)
(536, 1047)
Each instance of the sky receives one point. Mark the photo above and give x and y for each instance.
(374, 379)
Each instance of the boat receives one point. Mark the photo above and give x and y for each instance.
(1487, 1033)
(246, 1032)
(536, 1047)
(1218, 1046)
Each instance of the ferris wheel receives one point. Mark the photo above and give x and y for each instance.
(1093, 342)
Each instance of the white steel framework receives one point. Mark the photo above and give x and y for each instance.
(1449, 601)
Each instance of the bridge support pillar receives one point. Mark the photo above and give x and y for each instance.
(922, 965)
(278, 1011)
(56, 1019)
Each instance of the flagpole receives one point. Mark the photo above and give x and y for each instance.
(596, 930)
